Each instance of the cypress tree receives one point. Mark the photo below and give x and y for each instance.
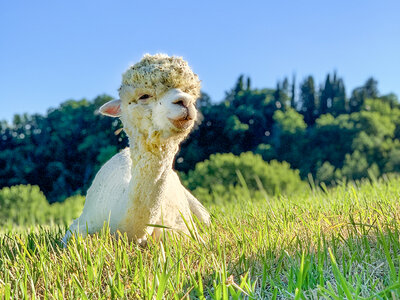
(308, 100)
(339, 101)
(278, 96)
(371, 88)
(248, 86)
(293, 93)
(285, 93)
(326, 94)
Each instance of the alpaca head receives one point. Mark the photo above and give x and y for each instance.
(157, 98)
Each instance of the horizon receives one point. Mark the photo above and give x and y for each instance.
(79, 50)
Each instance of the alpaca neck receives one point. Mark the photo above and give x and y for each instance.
(151, 163)
(152, 160)
(151, 157)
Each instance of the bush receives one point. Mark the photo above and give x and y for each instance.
(22, 204)
(247, 170)
(64, 212)
(26, 205)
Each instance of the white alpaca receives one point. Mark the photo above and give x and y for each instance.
(138, 186)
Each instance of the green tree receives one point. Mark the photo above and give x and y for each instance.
(281, 94)
(326, 94)
(320, 147)
(338, 96)
(356, 166)
(333, 96)
(308, 100)
(57, 151)
(360, 94)
(371, 88)
(289, 136)
(293, 93)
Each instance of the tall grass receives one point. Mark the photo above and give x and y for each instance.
(342, 243)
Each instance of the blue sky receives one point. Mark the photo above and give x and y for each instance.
(52, 51)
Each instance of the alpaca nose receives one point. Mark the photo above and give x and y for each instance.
(184, 102)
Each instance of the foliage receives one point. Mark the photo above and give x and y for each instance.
(309, 100)
(25, 205)
(224, 171)
(64, 212)
(341, 243)
(59, 151)
(288, 136)
(315, 128)
(325, 243)
(22, 205)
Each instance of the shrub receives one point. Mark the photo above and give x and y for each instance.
(247, 170)
(26, 205)
(64, 212)
(22, 204)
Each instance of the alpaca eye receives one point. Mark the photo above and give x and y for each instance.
(144, 97)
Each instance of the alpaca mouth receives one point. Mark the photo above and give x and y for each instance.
(182, 123)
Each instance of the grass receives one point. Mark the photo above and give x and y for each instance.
(342, 243)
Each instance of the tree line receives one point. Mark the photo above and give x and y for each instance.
(319, 130)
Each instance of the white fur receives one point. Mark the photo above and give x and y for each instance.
(138, 186)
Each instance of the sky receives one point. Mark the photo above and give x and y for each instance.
(52, 51)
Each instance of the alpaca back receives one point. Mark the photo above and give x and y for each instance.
(107, 197)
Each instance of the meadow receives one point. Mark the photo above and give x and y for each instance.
(339, 243)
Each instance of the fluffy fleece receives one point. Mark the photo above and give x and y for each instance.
(138, 186)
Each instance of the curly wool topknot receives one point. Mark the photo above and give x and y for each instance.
(160, 73)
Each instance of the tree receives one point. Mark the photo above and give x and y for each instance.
(278, 96)
(357, 99)
(63, 149)
(203, 101)
(289, 136)
(308, 100)
(248, 84)
(293, 93)
(333, 96)
(338, 96)
(326, 94)
(57, 151)
(281, 94)
(371, 88)
(368, 91)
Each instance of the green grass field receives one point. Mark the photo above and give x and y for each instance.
(342, 243)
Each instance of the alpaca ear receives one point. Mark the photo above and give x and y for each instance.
(111, 108)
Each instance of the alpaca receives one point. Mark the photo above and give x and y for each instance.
(138, 186)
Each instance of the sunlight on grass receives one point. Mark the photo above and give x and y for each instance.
(336, 244)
